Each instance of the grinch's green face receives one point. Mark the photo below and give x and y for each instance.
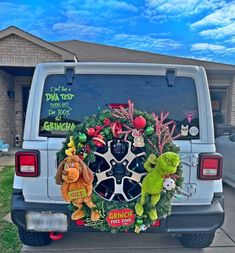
(167, 163)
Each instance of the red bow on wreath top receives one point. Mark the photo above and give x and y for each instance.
(135, 127)
(98, 138)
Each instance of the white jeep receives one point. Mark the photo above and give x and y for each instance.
(37, 205)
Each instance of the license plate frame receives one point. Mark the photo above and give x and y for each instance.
(46, 221)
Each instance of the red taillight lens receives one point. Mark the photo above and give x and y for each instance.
(210, 166)
(27, 163)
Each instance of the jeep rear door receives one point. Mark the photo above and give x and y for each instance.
(69, 92)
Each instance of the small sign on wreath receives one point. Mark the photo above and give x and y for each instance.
(120, 217)
(80, 193)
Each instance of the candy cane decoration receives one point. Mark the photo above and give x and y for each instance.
(126, 114)
(163, 132)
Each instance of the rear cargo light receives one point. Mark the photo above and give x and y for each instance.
(210, 166)
(157, 223)
(27, 163)
(80, 222)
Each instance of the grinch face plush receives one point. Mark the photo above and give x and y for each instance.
(76, 185)
(152, 185)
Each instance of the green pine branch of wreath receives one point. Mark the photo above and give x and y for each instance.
(154, 134)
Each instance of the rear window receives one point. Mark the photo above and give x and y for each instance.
(65, 105)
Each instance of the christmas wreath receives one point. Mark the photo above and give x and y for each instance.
(119, 169)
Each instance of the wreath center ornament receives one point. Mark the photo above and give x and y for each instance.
(119, 170)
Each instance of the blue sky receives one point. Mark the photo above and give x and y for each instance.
(201, 29)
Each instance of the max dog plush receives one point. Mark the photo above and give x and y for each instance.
(76, 185)
(152, 185)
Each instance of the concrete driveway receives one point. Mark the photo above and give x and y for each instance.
(7, 160)
(147, 243)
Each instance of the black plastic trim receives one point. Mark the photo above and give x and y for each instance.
(170, 77)
(219, 172)
(183, 219)
(69, 74)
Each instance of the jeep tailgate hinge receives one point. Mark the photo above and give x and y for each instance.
(69, 74)
(170, 77)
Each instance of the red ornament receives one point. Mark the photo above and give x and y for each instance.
(98, 128)
(107, 122)
(87, 148)
(99, 141)
(91, 131)
(139, 122)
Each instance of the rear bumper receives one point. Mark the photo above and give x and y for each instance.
(183, 219)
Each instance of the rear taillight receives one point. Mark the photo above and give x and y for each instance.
(27, 163)
(210, 166)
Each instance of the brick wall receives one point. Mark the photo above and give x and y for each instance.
(17, 51)
(7, 112)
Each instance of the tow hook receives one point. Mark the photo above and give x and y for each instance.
(56, 236)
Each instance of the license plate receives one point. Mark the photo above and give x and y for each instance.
(46, 221)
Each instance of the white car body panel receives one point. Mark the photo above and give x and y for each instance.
(43, 189)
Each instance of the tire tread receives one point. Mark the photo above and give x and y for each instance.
(34, 238)
(199, 241)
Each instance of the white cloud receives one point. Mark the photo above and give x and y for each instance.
(207, 47)
(221, 32)
(220, 17)
(31, 19)
(79, 30)
(8, 8)
(120, 5)
(94, 17)
(157, 9)
(145, 42)
(212, 49)
(220, 24)
(101, 4)
(231, 40)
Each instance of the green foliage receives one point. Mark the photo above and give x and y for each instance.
(164, 204)
(9, 240)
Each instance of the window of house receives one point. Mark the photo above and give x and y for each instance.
(219, 105)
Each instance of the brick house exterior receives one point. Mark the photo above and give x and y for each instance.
(20, 52)
(24, 52)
